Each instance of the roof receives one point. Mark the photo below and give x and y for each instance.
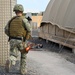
(60, 13)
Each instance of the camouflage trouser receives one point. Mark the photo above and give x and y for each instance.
(15, 47)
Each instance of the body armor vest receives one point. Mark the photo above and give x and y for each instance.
(16, 27)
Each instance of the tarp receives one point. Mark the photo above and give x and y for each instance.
(60, 13)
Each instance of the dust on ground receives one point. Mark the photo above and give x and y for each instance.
(63, 51)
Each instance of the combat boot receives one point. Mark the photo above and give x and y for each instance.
(24, 72)
(10, 63)
(7, 66)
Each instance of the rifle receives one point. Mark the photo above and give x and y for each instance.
(31, 46)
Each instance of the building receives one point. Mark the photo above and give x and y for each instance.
(58, 23)
(36, 21)
(35, 18)
(6, 12)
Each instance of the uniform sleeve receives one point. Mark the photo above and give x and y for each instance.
(6, 29)
(28, 28)
(27, 25)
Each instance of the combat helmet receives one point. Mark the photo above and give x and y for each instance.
(18, 7)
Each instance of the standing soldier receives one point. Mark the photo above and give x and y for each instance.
(18, 29)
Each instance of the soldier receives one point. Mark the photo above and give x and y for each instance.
(18, 29)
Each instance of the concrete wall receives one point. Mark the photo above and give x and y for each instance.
(6, 13)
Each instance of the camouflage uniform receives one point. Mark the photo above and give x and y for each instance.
(16, 45)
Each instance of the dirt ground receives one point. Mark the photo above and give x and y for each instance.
(65, 52)
(50, 50)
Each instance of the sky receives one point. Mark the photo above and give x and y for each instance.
(33, 5)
